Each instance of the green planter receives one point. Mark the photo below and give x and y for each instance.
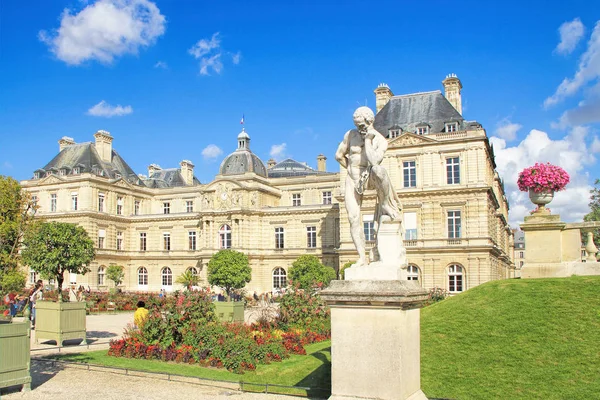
(230, 311)
(60, 321)
(14, 355)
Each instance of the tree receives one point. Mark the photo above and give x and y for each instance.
(308, 272)
(57, 247)
(17, 211)
(188, 279)
(342, 273)
(594, 214)
(116, 274)
(229, 269)
(12, 281)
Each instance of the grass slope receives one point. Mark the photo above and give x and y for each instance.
(514, 339)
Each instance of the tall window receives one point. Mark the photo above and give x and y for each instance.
(409, 168)
(454, 224)
(166, 208)
(167, 277)
(193, 270)
(74, 201)
(279, 278)
(101, 202)
(192, 240)
(119, 206)
(521, 264)
(521, 254)
(410, 225)
(455, 278)
(32, 277)
(53, 202)
(34, 200)
(296, 199)
(279, 238)
(225, 237)
(101, 236)
(369, 228)
(166, 241)
(101, 274)
(311, 236)
(326, 197)
(412, 273)
(143, 241)
(136, 207)
(453, 170)
(142, 276)
(119, 240)
(189, 206)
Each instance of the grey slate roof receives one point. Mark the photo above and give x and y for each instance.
(412, 110)
(166, 178)
(242, 161)
(289, 167)
(85, 156)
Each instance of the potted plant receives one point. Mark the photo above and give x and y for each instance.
(52, 250)
(541, 181)
(229, 270)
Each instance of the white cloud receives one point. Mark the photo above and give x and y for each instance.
(588, 71)
(235, 58)
(103, 109)
(213, 62)
(205, 46)
(211, 152)
(105, 30)
(570, 152)
(570, 34)
(161, 64)
(507, 130)
(278, 151)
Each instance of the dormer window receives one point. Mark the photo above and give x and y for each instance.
(117, 176)
(423, 130)
(49, 173)
(76, 170)
(451, 126)
(395, 131)
(36, 175)
(62, 172)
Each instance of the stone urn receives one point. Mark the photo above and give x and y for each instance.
(541, 199)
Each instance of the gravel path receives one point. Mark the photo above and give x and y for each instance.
(56, 382)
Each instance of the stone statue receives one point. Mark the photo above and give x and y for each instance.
(361, 153)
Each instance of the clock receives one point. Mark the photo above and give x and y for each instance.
(224, 196)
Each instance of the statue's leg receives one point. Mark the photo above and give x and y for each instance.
(353, 201)
(385, 192)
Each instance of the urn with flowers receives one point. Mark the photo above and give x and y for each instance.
(541, 181)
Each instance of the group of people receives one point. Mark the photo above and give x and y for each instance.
(19, 303)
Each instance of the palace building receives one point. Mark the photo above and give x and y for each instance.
(166, 222)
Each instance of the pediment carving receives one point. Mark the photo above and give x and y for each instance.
(51, 179)
(410, 139)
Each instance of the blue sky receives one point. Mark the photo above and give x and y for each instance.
(183, 73)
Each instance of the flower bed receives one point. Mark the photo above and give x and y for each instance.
(542, 178)
(186, 330)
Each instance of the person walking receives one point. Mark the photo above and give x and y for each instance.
(38, 294)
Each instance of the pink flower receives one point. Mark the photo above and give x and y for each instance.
(542, 178)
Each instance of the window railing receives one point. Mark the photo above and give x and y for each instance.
(454, 242)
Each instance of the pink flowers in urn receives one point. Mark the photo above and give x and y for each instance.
(543, 178)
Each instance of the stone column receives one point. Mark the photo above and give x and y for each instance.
(375, 339)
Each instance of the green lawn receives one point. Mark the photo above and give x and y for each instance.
(312, 370)
(511, 339)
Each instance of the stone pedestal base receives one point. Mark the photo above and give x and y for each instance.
(559, 270)
(375, 339)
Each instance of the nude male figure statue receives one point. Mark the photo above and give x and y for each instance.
(361, 153)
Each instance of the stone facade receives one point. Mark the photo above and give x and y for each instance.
(453, 199)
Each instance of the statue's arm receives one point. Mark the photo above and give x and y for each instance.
(342, 150)
(375, 147)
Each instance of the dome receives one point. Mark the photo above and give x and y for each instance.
(243, 134)
(243, 160)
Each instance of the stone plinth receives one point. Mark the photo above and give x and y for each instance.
(375, 339)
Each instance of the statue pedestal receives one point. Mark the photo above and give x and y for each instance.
(375, 339)
(392, 256)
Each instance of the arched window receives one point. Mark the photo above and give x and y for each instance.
(225, 237)
(142, 276)
(101, 274)
(193, 270)
(413, 273)
(167, 277)
(455, 278)
(279, 278)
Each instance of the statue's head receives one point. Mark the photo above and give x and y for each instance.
(363, 118)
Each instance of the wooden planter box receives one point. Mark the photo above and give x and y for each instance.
(228, 311)
(14, 354)
(60, 321)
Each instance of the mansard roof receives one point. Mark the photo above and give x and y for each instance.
(85, 156)
(419, 109)
(166, 178)
(289, 168)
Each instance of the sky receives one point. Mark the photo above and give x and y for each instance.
(171, 80)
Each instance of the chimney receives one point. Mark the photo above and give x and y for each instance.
(383, 94)
(64, 142)
(187, 171)
(104, 145)
(452, 88)
(271, 163)
(153, 168)
(321, 163)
